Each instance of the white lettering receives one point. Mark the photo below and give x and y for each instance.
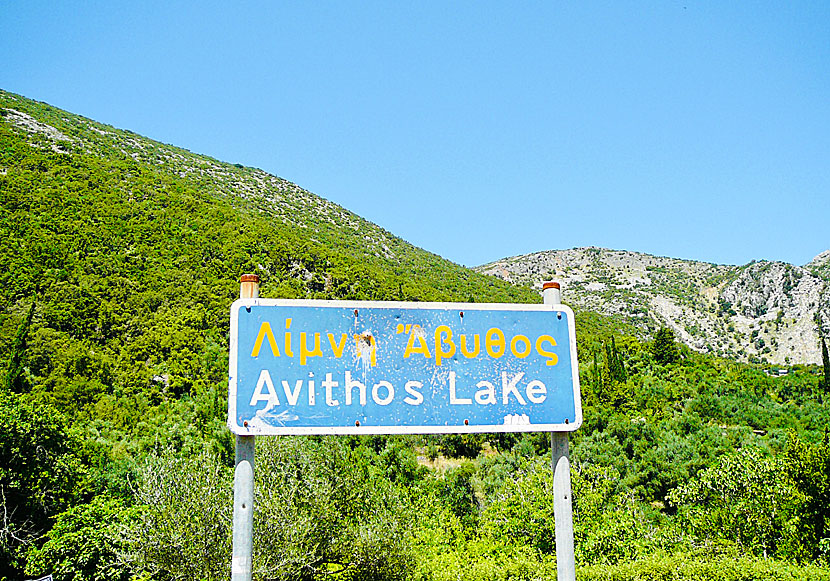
(265, 381)
(536, 391)
(328, 384)
(415, 397)
(508, 387)
(292, 396)
(350, 385)
(457, 400)
(390, 393)
(312, 393)
(486, 393)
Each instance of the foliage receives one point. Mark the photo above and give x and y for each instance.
(84, 544)
(609, 525)
(15, 373)
(605, 378)
(40, 473)
(809, 467)
(744, 497)
(696, 567)
(461, 445)
(323, 509)
(456, 492)
(183, 525)
(664, 350)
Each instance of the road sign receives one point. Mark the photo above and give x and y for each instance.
(359, 367)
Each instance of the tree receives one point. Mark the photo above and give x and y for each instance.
(824, 382)
(664, 349)
(745, 497)
(84, 544)
(323, 509)
(809, 468)
(14, 373)
(183, 530)
(40, 470)
(614, 362)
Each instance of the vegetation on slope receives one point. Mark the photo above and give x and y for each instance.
(120, 259)
(117, 275)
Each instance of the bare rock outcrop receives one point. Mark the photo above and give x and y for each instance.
(763, 311)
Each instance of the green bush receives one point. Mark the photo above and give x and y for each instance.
(84, 544)
(323, 508)
(184, 518)
(702, 568)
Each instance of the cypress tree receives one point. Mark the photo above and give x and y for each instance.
(825, 361)
(609, 362)
(664, 349)
(14, 372)
(618, 366)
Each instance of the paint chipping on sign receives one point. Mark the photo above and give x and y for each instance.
(317, 367)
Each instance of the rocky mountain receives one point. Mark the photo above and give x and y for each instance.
(763, 311)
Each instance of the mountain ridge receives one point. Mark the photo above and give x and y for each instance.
(317, 220)
(732, 311)
(122, 256)
(764, 311)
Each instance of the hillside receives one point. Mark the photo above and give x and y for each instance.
(760, 312)
(128, 254)
(119, 262)
(166, 173)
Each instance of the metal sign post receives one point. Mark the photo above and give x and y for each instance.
(243, 479)
(562, 504)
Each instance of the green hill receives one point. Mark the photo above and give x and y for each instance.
(130, 252)
(120, 259)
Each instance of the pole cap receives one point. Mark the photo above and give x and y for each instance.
(550, 284)
(249, 278)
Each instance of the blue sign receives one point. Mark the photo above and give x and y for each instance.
(338, 367)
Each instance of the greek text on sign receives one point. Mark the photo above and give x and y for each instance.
(340, 367)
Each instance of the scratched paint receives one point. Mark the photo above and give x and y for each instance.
(362, 367)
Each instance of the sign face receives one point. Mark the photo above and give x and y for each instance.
(359, 367)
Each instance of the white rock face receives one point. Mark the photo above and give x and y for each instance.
(763, 311)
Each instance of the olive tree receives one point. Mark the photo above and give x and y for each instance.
(183, 527)
(322, 508)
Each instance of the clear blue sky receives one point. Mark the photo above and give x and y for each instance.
(477, 130)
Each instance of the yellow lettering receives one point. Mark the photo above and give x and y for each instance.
(288, 351)
(440, 332)
(553, 358)
(335, 348)
(265, 331)
(495, 346)
(417, 334)
(514, 344)
(476, 346)
(315, 351)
